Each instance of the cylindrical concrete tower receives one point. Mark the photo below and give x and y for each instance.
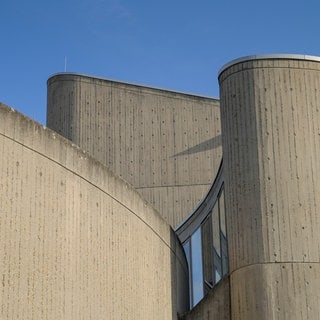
(270, 110)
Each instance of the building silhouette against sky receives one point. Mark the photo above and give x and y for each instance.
(122, 207)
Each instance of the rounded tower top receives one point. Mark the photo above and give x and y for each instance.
(268, 57)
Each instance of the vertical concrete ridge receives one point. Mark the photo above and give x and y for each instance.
(242, 176)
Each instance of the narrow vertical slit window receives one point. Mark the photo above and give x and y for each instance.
(217, 267)
(196, 267)
(207, 254)
(223, 234)
(187, 249)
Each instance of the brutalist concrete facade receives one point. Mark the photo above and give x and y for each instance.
(78, 242)
(270, 111)
(166, 144)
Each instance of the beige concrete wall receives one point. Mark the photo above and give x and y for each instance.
(271, 126)
(214, 306)
(77, 242)
(166, 144)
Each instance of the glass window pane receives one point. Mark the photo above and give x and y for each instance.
(216, 229)
(223, 234)
(217, 275)
(217, 267)
(207, 254)
(222, 214)
(224, 256)
(196, 269)
(186, 248)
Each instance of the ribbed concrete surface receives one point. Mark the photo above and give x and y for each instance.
(166, 144)
(76, 242)
(276, 291)
(271, 145)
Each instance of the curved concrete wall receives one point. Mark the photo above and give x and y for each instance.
(271, 125)
(166, 144)
(76, 242)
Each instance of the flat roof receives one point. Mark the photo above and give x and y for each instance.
(190, 94)
(269, 56)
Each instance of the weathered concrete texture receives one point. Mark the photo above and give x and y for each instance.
(166, 144)
(77, 242)
(281, 291)
(214, 306)
(271, 126)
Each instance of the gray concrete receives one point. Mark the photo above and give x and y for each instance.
(76, 241)
(271, 148)
(166, 144)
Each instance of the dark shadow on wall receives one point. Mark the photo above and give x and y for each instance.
(179, 278)
(210, 144)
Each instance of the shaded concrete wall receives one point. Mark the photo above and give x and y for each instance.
(166, 144)
(214, 306)
(270, 112)
(77, 242)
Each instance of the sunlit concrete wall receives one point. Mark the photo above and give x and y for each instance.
(77, 242)
(270, 110)
(166, 144)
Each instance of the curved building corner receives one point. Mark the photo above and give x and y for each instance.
(76, 241)
(271, 149)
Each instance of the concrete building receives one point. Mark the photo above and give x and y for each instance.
(165, 144)
(123, 209)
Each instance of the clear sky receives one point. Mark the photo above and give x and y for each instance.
(177, 44)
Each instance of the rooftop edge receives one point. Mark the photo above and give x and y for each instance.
(131, 84)
(268, 56)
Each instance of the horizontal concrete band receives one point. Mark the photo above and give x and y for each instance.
(269, 57)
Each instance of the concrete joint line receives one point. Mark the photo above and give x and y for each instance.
(88, 181)
(178, 185)
(274, 262)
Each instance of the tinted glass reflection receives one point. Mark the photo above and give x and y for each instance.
(196, 268)
(207, 251)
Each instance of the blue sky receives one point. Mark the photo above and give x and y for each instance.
(178, 45)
